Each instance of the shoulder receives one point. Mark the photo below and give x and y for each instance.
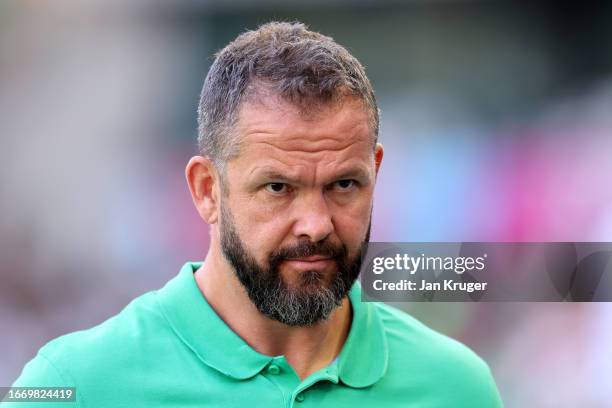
(438, 361)
(403, 330)
(75, 357)
(114, 336)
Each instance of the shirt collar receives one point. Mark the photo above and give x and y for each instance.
(362, 361)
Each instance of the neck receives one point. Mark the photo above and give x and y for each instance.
(306, 349)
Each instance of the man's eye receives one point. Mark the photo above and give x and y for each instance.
(276, 188)
(344, 185)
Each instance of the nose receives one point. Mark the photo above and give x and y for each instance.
(313, 218)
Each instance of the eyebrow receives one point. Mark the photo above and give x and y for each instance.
(356, 173)
(272, 174)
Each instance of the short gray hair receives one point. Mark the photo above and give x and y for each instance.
(303, 67)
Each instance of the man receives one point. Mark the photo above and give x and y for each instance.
(288, 128)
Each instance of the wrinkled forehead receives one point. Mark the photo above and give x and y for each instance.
(320, 126)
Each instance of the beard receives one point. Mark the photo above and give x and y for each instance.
(309, 301)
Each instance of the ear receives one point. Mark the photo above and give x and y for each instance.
(378, 156)
(205, 187)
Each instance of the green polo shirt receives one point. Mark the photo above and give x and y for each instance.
(168, 348)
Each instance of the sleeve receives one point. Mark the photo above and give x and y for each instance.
(41, 372)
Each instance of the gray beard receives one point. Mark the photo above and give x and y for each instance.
(308, 303)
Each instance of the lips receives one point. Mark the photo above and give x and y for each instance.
(313, 258)
(315, 262)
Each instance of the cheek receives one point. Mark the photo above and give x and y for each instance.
(351, 222)
(261, 227)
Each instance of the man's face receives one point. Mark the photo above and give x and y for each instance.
(296, 211)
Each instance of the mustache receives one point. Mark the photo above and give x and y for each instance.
(305, 249)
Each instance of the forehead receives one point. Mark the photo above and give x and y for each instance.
(275, 126)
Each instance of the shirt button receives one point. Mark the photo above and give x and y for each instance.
(300, 397)
(273, 369)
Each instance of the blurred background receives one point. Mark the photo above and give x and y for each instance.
(497, 123)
